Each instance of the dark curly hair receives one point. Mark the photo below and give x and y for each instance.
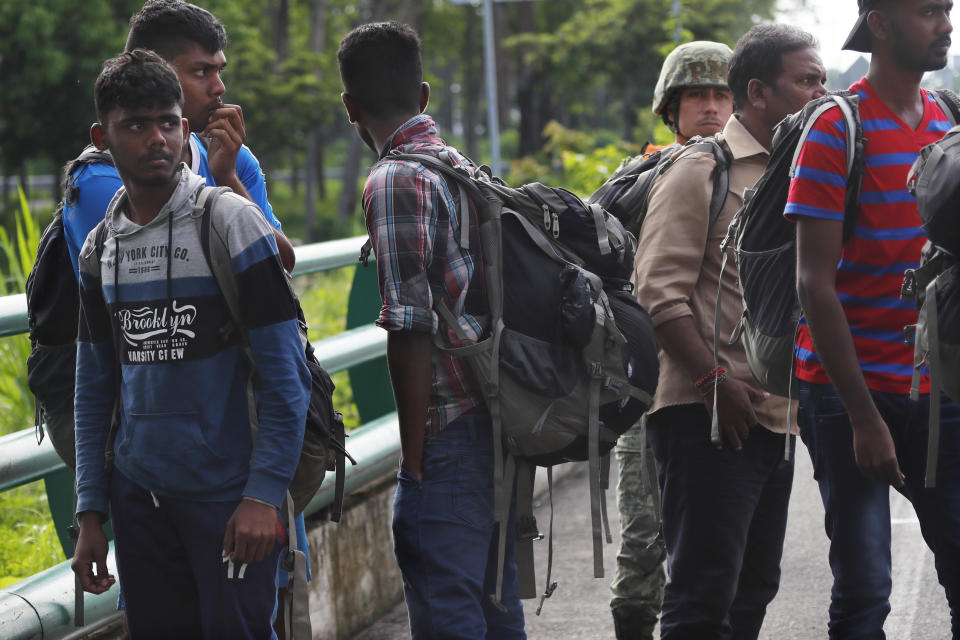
(759, 54)
(381, 69)
(133, 80)
(170, 27)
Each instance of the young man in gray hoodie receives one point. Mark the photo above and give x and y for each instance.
(193, 497)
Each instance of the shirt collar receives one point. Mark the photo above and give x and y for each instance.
(742, 144)
(417, 130)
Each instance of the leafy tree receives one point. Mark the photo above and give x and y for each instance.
(52, 51)
(605, 55)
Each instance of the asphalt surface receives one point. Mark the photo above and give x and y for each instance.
(579, 608)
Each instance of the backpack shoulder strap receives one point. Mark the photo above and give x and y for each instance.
(721, 174)
(849, 104)
(89, 155)
(216, 252)
(100, 239)
(444, 168)
(949, 103)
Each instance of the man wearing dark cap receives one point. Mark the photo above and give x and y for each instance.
(862, 430)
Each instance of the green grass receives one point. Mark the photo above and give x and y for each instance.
(28, 542)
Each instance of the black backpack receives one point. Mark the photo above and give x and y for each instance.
(625, 193)
(764, 241)
(53, 307)
(571, 361)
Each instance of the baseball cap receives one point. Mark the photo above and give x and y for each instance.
(859, 38)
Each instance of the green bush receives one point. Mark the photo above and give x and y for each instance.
(571, 159)
(28, 542)
(16, 401)
(324, 298)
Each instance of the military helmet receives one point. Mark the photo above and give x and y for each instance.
(694, 64)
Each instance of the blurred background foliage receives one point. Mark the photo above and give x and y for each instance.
(587, 65)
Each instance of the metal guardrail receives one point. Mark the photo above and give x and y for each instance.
(42, 606)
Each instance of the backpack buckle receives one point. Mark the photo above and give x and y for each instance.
(527, 529)
(909, 289)
(611, 384)
(365, 252)
(910, 334)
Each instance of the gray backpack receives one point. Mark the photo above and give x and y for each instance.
(570, 362)
(935, 286)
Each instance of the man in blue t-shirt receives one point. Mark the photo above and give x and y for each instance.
(192, 41)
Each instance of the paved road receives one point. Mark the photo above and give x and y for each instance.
(579, 607)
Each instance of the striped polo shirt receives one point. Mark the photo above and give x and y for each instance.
(887, 238)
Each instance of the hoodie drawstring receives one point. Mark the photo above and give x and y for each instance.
(170, 263)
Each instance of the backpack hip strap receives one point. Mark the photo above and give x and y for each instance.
(550, 586)
(296, 604)
(527, 531)
(506, 488)
(933, 358)
(593, 464)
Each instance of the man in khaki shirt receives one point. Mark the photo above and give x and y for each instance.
(724, 508)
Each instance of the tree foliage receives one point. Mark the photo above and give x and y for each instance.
(50, 54)
(588, 65)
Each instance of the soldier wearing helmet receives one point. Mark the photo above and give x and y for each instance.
(691, 94)
(693, 99)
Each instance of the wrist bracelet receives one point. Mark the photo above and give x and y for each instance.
(714, 376)
(706, 389)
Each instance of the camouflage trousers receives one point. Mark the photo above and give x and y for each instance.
(639, 581)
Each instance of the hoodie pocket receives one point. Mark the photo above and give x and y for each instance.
(170, 449)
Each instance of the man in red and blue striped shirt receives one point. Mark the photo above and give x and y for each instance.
(856, 418)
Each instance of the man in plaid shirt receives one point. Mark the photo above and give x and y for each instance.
(444, 535)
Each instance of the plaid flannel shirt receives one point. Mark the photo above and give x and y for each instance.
(413, 219)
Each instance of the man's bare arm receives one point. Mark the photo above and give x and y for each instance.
(409, 359)
(819, 244)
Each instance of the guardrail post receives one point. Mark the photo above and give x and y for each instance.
(369, 381)
(59, 486)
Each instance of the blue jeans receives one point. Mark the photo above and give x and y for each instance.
(724, 520)
(857, 518)
(446, 542)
